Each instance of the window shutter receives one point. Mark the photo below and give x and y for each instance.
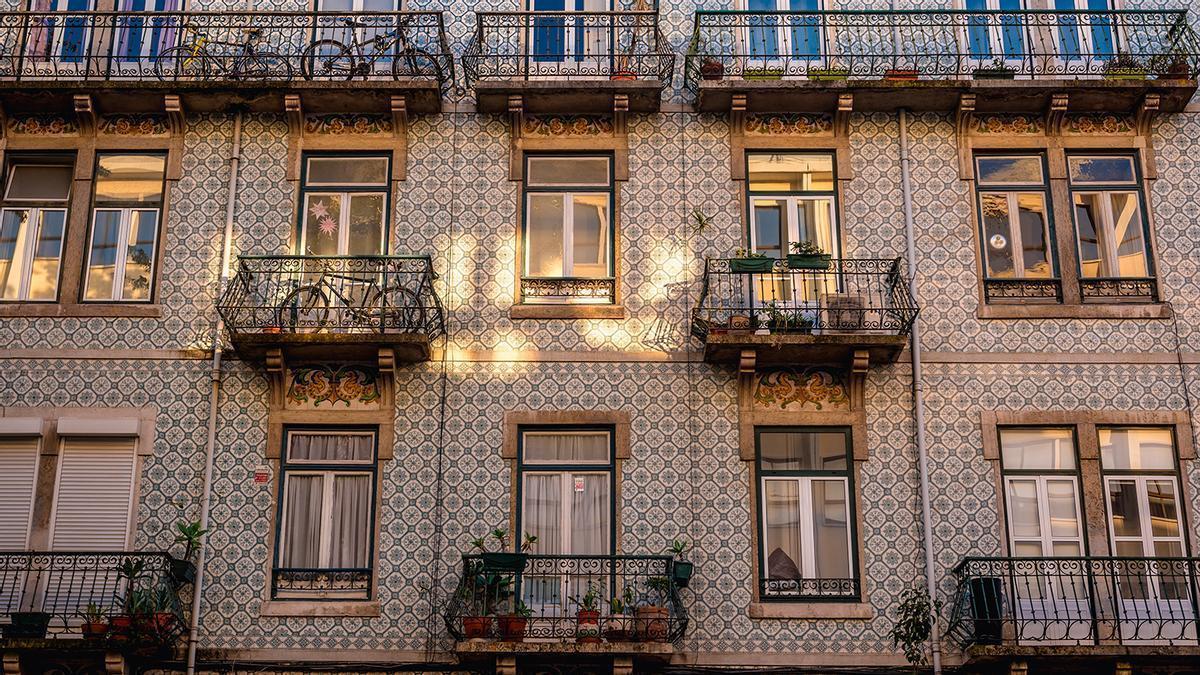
(94, 495)
(18, 479)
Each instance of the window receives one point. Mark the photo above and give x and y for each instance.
(1109, 225)
(991, 36)
(18, 481)
(1088, 32)
(344, 205)
(791, 198)
(93, 495)
(33, 222)
(563, 45)
(805, 506)
(772, 37)
(568, 231)
(1041, 490)
(1015, 224)
(327, 515)
(126, 211)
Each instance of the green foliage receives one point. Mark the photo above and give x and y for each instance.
(700, 220)
(189, 534)
(590, 601)
(679, 548)
(914, 623)
(623, 603)
(93, 614)
(501, 538)
(748, 254)
(807, 247)
(522, 610)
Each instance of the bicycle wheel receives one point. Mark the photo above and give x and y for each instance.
(327, 60)
(304, 310)
(264, 66)
(180, 63)
(399, 310)
(416, 63)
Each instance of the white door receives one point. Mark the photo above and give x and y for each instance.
(558, 43)
(775, 222)
(1087, 39)
(995, 34)
(776, 40)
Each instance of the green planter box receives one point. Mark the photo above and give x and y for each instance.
(751, 265)
(762, 74)
(505, 562)
(809, 261)
(828, 74)
(682, 573)
(1125, 74)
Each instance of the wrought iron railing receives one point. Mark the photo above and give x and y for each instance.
(637, 598)
(941, 44)
(1110, 288)
(48, 595)
(837, 297)
(595, 290)
(1022, 290)
(568, 45)
(293, 294)
(224, 46)
(334, 584)
(809, 589)
(1081, 601)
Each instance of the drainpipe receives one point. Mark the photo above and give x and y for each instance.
(919, 393)
(235, 155)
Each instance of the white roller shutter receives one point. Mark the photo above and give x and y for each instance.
(18, 480)
(93, 495)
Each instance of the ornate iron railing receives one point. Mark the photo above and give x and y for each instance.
(941, 44)
(334, 584)
(333, 294)
(1019, 290)
(568, 45)
(224, 46)
(809, 589)
(1142, 288)
(844, 296)
(1081, 601)
(47, 594)
(568, 289)
(637, 599)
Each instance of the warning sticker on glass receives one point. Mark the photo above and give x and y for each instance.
(579, 485)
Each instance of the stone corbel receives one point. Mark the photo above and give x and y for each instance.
(399, 108)
(841, 117)
(177, 123)
(621, 136)
(962, 125)
(747, 365)
(516, 116)
(12, 663)
(1144, 121)
(293, 111)
(1056, 112)
(276, 377)
(387, 377)
(737, 137)
(859, 363)
(115, 664)
(85, 112)
(506, 665)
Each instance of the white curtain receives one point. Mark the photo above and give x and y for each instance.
(542, 511)
(589, 514)
(302, 516)
(330, 447)
(567, 448)
(781, 501)
(350, 521)
(831, 543)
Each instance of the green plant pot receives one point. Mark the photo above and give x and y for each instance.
(682, 573)
(828, 74)
(751, 265)
(27, 625)
(809, 261)
(762, 74)
(1125, 74)
(183, 571)
(993, 74)
(505, 562)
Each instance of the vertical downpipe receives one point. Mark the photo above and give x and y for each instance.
(235, 155)
(919, 395)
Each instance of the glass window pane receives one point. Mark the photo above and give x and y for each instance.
(41, 182)
(544, 231)
(590, 242)
(43, 277)
(1066, 549)
(322, 222)
(1031, 214)
(1052, 449)
(782, 543)
(102, 261)
(770, 217)
(802, 450)
(1137, 448)
(302, 501)
(567, 171)
(366, 224)
(1123, 508)
(1164, 512)
(1063, 506)
(139, 257)
(1023, 506)
(1101, 170)
(347, 171)
(130, 178)
(1127, 233)
(330, 448)
(566, 447)
(1010, 170)
(1092, 235)
(831, 529)
(997, 238)
(349, 522)
(790, 172)
(590, 533)
(814, 224)
(541, 511)
(13, 225)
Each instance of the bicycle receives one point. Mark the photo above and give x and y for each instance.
(196, 61)
(332, 59)
(346, 300)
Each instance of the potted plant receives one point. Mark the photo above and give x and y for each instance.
(808, 255)
(618, 627)
(746, 261)
(130, 571)
(711, 69)
(1172, 66)
(653, 618)
(832, 72)
(911, 629)
(512, 625)
(95, 622)
(28, 625)
(1124, 67)
(777, 319)
(998, 69)
(681, 569)
(162, 615)
(623, 67)
(587, 621)
(183, 570)
(504, 560)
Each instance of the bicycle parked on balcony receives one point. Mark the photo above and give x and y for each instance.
(370, 51)
(204, 57)
(351, 301)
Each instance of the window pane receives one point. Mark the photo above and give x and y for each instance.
(1123, 509)
(1034, 233)
(43, 277)
(1063, 506)
(347, 171)
(1092, 236)
(1164, 513)
(332, 448)
(770, 226)
(13, 223)
(831, 529)
(787, 172)
(1127, 232)
(568, 171)
(102, 265)
(302, 519)
(541, 511)
(322, 220)
(589, 514)
(545, 234)
(1018, 170)
(566, 447)
(130, 178)
(1023, 505)
(590, 244)
(1137, 448)
(366, 224)
(1101, 170)
(139, 258)
(350, 520)
(39, 182)
(813, 222)
(803, 450)
(781, 510)
(998, 240)
(1037, 449)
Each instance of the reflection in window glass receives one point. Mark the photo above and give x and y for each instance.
(130, 178)
(1137, 448)
(1086, 170)
(802, 450)
(1009, 170)
(344, 210)
(1037, 449)
(567, 171)
(1015, 224)
(371, 171)
(1109, 224)
(33, 221)
(790, 172)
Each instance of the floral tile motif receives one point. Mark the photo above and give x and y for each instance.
(332, 386)
(814, 388)
(567, 125)
(788, 124)
(133, 125)
(349, 124)
(42, 125)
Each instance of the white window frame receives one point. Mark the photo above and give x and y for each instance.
(808, 561)
(288, 459)
(568, 225)
(1147, 537)
(328, 478)
(546, 69)
(825, 56)
(1109, 256)
(25, 246)
(569, 191)
(343, 234)
(1084, 32)
(1015, 235)
(995, 32)
(1046, 538)
(121, 253)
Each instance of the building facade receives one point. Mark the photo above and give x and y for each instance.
(475, 266)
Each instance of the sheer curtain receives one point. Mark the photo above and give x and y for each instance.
(302, 515)
(541, 516)
(350, 521)
(782, 505)
(330, 447)
(589, 514)
(567, 448)
(831, 543)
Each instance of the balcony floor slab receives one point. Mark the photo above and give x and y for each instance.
(783, 349)
(300, 347)
(565, 95)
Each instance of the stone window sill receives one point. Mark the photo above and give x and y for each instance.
(301, 607)
(1122, 310)
(96, 309)
(811, 610)
(566, 311)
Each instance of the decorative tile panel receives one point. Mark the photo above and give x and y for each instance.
(332, 387)
(802, 388)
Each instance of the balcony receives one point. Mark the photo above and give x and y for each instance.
(1077, 608)
(338, 61)
(791, 316)
(638, 615)
(350, 306)
(1013, 61)
(568, 62)
(133, 599)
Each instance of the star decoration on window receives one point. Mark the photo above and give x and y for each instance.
(325, 224)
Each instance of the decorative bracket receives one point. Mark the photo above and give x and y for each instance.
(859, 363)
(620, 114)
(12, 663)
(963, 118)
(85, 112)
(841, 117)
(399, 109)
(3, 126)
(115, 664)
(1146, 111)
(387, 374)
(1056, 113)
(737, 136)
(294, 112)
(516, 117)
(276, 376)
(176, 120)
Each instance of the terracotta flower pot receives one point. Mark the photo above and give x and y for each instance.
(121, 626)
(712, 70)
(512, 628)
(652, 623)
(587, 626)
(477, 627)
(623, 75)
(901, 74)
(94, 630)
